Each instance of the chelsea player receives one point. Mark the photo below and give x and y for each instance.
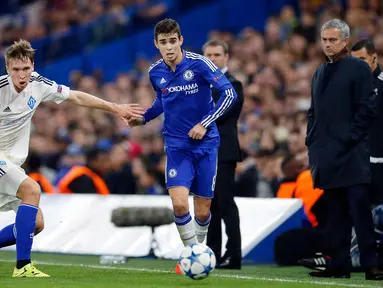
(182, 82)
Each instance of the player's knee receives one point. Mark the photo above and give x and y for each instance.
(202, 208)
(29, 192)
(180, 207)
(202, 215)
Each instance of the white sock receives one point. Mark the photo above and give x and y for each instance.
(186, 229)
(201, 228)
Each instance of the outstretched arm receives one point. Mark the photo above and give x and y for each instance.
(150, 114)
(87, 100)
(153, 112)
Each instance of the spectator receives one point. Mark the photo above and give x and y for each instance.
(81, 179)
(120, 180)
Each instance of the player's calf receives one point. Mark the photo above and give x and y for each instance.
(202, 217)
(182, 217)
(39, 222)
(7, 234)
(29, 192)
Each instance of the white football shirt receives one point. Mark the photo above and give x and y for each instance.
(17, 109)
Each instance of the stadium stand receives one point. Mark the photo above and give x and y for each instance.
(274, 56)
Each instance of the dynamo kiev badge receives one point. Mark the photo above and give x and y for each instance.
(188, 75)
(172, 173)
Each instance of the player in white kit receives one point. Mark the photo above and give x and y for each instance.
(21, 91)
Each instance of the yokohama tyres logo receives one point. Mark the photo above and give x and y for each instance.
(180, 88)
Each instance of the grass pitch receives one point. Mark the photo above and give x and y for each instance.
(73, 271)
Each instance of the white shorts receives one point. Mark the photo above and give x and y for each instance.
(11, 176)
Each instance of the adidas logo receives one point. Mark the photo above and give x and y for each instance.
(7, 109)
(162, 80)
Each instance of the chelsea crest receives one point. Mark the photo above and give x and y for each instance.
(188, 75)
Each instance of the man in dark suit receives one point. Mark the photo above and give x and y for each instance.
(340, 116)
(365, 50)
(223, 205)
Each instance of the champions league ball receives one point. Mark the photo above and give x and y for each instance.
(197, 261)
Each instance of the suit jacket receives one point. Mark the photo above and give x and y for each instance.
(229, 150)
(342, 110)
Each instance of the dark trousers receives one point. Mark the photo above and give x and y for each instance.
(346, 207)
(223, 207)
(376, 187)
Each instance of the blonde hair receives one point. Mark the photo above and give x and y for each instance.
(21, 50)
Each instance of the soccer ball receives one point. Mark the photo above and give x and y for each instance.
(197, 261)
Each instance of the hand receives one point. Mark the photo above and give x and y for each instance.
(126, 111)
(135, 121)
(197, 132)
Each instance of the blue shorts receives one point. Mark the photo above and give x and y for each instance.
(194, 169)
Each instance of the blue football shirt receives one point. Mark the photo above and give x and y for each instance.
(184, 96)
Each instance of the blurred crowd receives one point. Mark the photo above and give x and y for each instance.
(35, 19)
(275, 68)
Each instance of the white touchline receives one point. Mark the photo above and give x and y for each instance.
(233, 276)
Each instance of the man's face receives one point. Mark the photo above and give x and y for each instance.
(363, 55)
(169, 46)
(20, 71)
(101, 163)
(331, 42)
(217, 55)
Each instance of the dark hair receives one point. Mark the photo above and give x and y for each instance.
(167, 26)
(365, 43)
(215, 43)
(93, 152)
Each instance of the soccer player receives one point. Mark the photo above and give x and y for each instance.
(182, 83)
(21, 91)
